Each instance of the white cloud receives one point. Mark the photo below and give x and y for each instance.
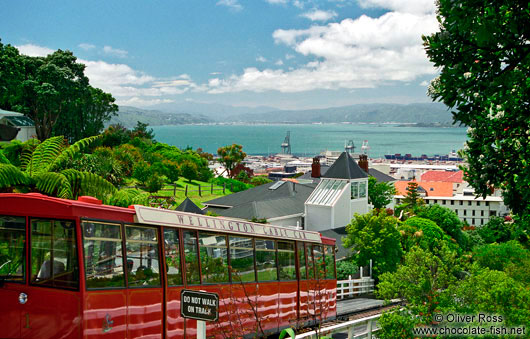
(34, 50)
(275, 2)
(232, 4)
(361, 53)
(404, 6)
(279, 63)
(289, 56)
(319, 15)
(261, 59)
(86, 46)
(425, 83)
(298, 3)
(136, 101)
(120, 53)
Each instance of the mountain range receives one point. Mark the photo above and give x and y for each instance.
(200, 113)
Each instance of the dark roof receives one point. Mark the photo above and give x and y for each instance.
(265, 209)
(345, 168)
(188, 206)
(262, 201)
(307, 175)
(338, 234)
(380, 176)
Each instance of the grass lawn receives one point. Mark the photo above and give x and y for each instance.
(193, 193)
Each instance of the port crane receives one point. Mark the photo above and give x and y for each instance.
(286, 145)
(350, 147)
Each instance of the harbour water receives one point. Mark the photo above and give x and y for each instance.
(311, 139)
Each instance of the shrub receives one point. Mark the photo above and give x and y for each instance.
(259, 180)
(345, 268)
(231, 184)
(495, 231)
(498, 256)
(422, 232)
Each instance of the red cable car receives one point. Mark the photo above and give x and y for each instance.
(72, 269)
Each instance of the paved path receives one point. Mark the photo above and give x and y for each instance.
(356, 305)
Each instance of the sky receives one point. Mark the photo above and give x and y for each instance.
(287, 54)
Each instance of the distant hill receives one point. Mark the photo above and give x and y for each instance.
(425, 113)
(214, 111)
(128, 116)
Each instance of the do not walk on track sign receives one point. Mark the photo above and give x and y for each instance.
(199, 305)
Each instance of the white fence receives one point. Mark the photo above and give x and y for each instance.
(360, 328)
(352, 287)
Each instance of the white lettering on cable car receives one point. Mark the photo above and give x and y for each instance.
(157, 216)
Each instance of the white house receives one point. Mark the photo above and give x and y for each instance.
(25, 125)
(341, 192)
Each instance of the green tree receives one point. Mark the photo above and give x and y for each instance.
(495, 230)
(413, 198)
(483, 55)
(54, 92)
(259, 180)
(421, 280)
(375, 236)
(424, 233)
(380, 194)
(189, 170)
(230, 157)
(448, 221)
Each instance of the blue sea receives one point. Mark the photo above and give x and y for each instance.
(311, 139)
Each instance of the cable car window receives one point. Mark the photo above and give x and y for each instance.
(310, 262)
(102, 248)
(143, 269)
(301, 261)
(171, 244)
(214, 258)
(266, 260)
(54, 253)
(330, 262)
(286, 261)
(12, 248)
(320, 265)
(191, 258)
(242, 259)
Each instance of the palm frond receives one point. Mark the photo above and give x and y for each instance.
(127, 197)
(69, 152)
(54, 184)
(11, 176)
(44, 155)
(86, 183)
(3, 159)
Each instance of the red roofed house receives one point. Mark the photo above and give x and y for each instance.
(456, 178)
(426, 188)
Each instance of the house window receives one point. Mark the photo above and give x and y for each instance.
(469, 203)
(461, 202)
(443, 202)
(465, 212)
(354, 190)
(452, 202)
(478, 203)
(487, 203)
(493, 213)
(473, 221)
(482, 213)
(362, 189)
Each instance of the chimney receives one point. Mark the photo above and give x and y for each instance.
(315, 168)
(363, 162)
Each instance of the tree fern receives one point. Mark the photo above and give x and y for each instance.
(44, 155)
(27, 149)
(69, 152)
(3, 159)
(127, 197)
(86, 183)
(11, 176)
(54, 184)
